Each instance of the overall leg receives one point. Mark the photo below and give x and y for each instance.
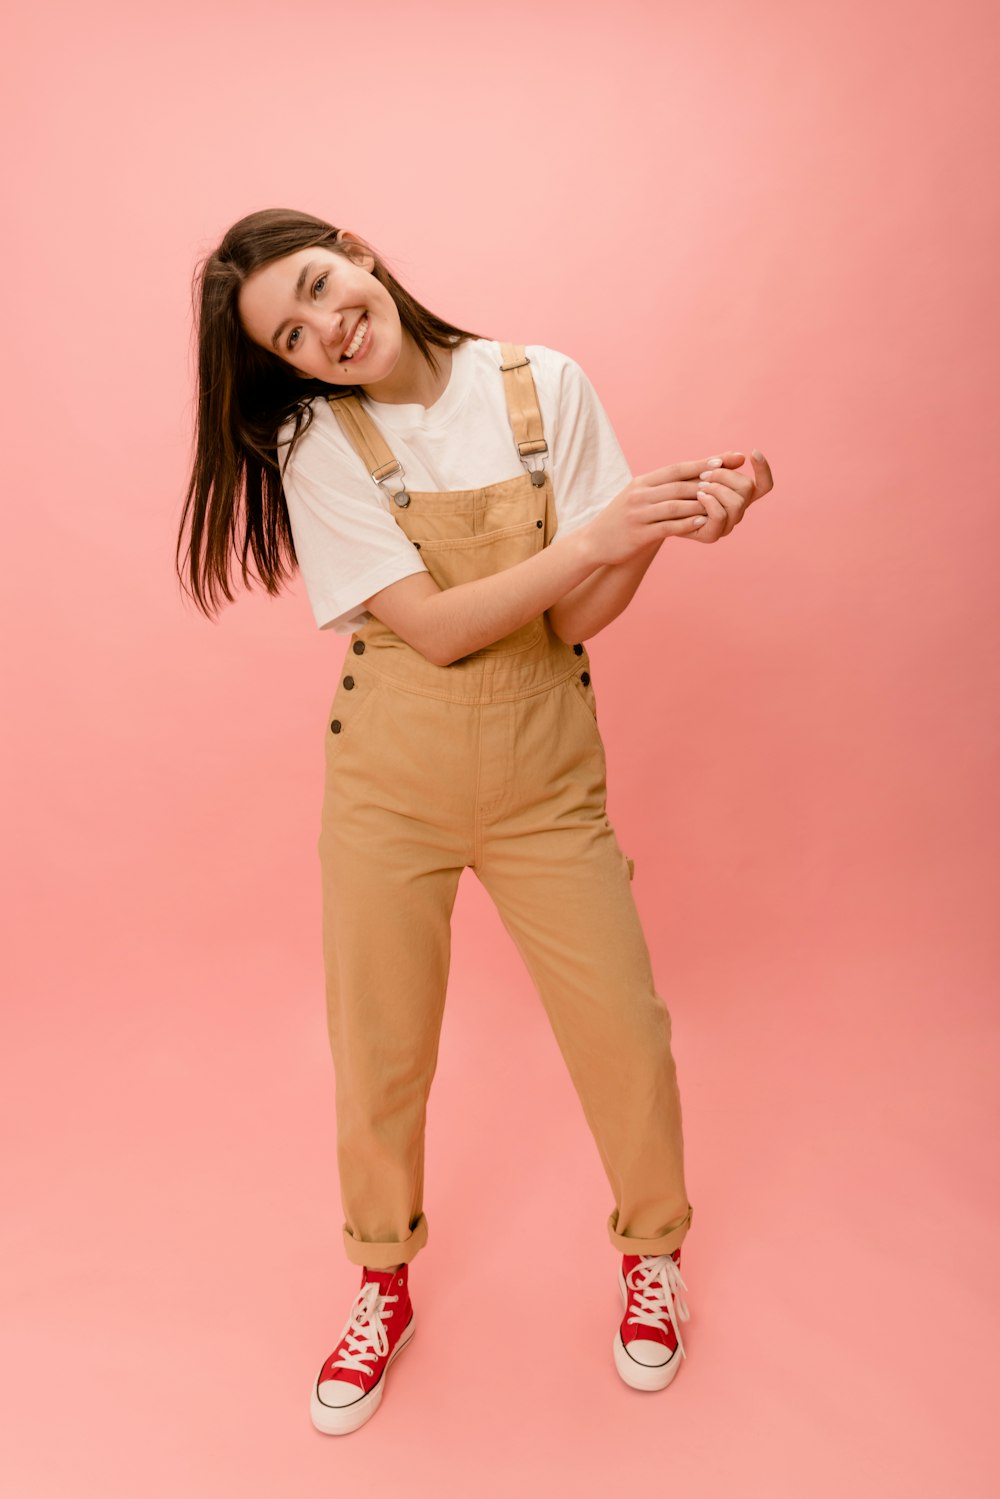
(553, 866)
(388, 892)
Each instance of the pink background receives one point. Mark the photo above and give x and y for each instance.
(753, 225)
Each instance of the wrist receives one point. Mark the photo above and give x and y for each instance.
(586, 546)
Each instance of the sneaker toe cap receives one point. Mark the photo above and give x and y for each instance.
(338, 1393)
(649, 1352)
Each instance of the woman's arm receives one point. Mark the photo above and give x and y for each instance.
(445, 624)
(599, 599)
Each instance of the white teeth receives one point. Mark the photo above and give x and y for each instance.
(358, 338)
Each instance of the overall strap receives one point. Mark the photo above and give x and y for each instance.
(523, 408)
(368, 442)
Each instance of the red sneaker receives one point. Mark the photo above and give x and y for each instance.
(348, 1388)
(648, 1347)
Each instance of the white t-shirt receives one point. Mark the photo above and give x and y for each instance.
(347, 543)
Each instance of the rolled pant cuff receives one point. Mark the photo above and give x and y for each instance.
(380, 1254)
(664, 1243)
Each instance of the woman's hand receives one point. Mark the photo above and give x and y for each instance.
(651, 507)
(726, 495)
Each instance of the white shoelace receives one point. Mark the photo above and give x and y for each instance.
(656, 1280)
(365, 1329)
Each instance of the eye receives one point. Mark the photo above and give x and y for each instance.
(316, 285)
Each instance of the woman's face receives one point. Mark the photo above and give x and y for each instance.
(308, 306)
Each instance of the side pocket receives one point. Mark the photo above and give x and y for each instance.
(585, 692)
(356, 691)
(588, 737)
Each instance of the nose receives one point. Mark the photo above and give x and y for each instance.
(333, 332)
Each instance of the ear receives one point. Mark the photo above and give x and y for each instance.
(356, 246)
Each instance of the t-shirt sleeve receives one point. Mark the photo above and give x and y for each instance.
(346, 542)
(588, 465)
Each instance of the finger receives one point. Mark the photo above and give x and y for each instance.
(664, 510)
(742, 483)
(681, 513)
(676, 489)
(728, 501)
(761, 467)
(675, 473)
(714, 507)
(711, 531)
(686, 525)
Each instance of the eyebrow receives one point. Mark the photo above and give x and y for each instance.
(300, 283)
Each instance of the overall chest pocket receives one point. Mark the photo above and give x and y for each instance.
(466, 559)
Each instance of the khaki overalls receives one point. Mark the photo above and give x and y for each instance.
(495, 762)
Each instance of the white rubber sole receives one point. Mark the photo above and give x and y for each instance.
(336, 1421)
(641, 1376)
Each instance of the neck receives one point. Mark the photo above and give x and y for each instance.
(412, 381)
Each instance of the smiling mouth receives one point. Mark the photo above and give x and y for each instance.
(359, 339)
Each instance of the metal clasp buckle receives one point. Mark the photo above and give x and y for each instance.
(537, 473)
(400, 496)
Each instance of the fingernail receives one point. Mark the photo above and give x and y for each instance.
(699, 520)
(756, 453)
(714, 462)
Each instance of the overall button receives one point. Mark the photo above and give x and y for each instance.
(585, 678)
(578, 649)
(348, 683)
(335, 726)
(359, 647)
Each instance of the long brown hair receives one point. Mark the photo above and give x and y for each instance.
(235, 504)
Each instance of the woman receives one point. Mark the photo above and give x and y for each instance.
(419, 474)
